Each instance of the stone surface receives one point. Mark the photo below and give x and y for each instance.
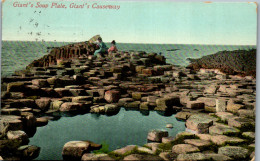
(18, 136)
(198, 143)
(124, 150)
(112, 96)
(74, 150)
(191, 157)
(184, 148)
(223, 129)
(70, 106)
(157, 135)
(234, 152)
(199, 123)
(142, 157)
(90, 156)
(43, 103)
(220, 105)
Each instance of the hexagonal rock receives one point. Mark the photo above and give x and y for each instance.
(163, 103)
(183, 115)
(217, 157)
(62, 92)
(206, 137)
(195, 105)
(40, 82)
(223, 129)
(82, 98)
(124, 150)
(246, 113)
(212, 89)
(70, 106)
(111, 108)
(167, 139)
(240, 122)
(142, 157)
(42, 121)
(90, 156)
(112, 96)
(235, 152)
(208, 101)
(13, 122)
(15, 87)
(74, 150)
(199, 123)
(224, 115)
(191, 157)
(184, 148)
(221, 105)
(43, 103)
(133, 105)
(157, 135)
(198, 143)
(56, 104)
(124, 101)
(234, 107)
(223, 139)
(18, 136)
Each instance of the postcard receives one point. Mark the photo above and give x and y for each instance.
(128, 80)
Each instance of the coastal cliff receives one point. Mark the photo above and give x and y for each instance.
(237, 62)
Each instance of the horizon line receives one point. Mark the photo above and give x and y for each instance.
(138, 43)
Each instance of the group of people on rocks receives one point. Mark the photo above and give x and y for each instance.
(103, 49)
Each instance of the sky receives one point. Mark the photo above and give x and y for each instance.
(135, 22)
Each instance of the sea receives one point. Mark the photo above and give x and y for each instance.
(16, 55)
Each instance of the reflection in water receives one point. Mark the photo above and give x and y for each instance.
(125, 128)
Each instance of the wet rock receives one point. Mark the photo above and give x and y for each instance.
(29, 152)
(111, 108)
(167, 156)
(183, 115)
(18, 136)
(234, 152)
(167, 139)
(184, 148)
(74, 150)
(142, 157)
(156, 135)
(42, 121)
(133, 105)
(56, 104)
(112, 96)
(70, 106)
(144, 106)
(162, 104)
(192, 156)
(43, 103)
(169, 126)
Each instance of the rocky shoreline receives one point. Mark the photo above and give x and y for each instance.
(219, 109)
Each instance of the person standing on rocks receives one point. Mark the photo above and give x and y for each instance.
(113, 47)
(102, 48)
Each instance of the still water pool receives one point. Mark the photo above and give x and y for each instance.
(125, 128)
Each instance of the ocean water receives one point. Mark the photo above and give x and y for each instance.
(16, 55)
(125, 128)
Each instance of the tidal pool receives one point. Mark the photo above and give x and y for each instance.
(125, 128)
